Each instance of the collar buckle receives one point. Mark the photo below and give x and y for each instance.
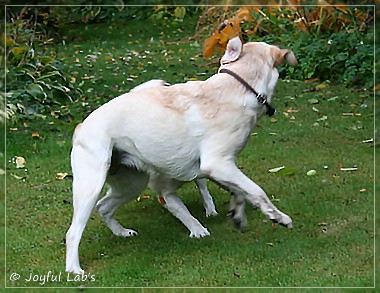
(262, 99)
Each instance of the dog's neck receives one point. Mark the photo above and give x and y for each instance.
(261, 98)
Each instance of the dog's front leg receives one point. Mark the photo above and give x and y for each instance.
(175, 205)
(227, 174)
(167, 188)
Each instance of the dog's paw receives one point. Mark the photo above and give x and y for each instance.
(240, 222)
(212, 213)
(127, 233)
(199, 233)
(75, 271)
(284, 220)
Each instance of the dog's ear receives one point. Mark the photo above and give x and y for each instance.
(280, 56)
(233, 51)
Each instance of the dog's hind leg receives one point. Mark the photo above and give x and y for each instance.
(89, 173)
(207, 200)
(237, 212)
(125, 185)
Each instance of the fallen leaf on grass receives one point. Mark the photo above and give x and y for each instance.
(311, 80)
(355, 128)
(333, 98)
(143, 197)
(368, 140)
(282, 171)
(273, 198)
(61, 176)
(18, 177)
(108, 57)
(322, 224)
(320, 86)
(313, 101)
(291, 110)
(88, 77)
(349, 169)
(352, 114)
(323, 118)
(36, 135)
(311, 172)
(20, 162)
(275, 170)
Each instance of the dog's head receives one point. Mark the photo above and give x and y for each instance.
(261, 52)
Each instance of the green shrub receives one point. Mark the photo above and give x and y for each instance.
(330, 42)
(37, 83)
(342, 56)
(99, 14)
(336, 46)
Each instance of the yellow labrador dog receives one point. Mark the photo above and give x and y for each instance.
(167, 135)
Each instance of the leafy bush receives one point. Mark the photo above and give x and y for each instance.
(330, 42)
(36, 82)
(94, 13)
(342, 56)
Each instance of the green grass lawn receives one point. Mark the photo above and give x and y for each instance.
(331, 245)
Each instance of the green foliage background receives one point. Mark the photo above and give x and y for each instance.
(38, 82)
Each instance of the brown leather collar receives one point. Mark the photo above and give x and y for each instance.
(262, 99)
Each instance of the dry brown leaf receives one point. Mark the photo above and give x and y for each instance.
(209, 45)
(244, 13)
(311, 80)
(320, 86)
(61, 176)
